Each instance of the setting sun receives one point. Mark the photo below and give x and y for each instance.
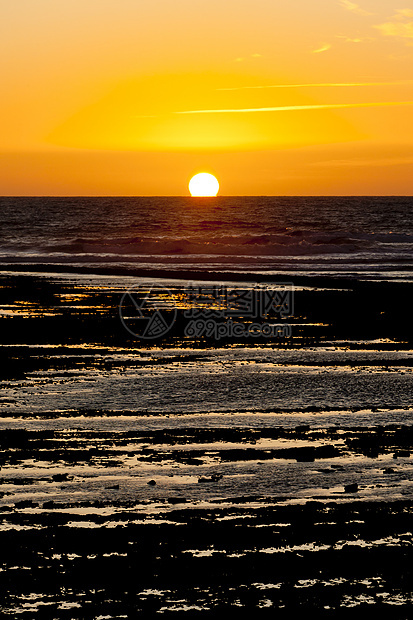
(203, 184)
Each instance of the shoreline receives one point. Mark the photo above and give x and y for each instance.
(315, 280)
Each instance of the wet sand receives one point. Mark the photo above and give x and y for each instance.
(191, 477)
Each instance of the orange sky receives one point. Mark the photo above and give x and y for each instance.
(274, 97)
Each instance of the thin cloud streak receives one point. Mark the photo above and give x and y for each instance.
(350, 40)
(325, 47)
(327, 106)
(326, 84)
(395, 161)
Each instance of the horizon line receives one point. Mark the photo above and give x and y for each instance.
(208, 197)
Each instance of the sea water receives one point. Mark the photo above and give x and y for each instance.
(361, 237)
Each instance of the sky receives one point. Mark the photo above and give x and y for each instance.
(273, 97)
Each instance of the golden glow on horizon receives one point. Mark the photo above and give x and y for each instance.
(97, 96)
(203, 184)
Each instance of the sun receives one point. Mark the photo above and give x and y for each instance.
(203, 184)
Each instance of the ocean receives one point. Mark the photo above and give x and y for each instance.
(369, 238)
(152, 466)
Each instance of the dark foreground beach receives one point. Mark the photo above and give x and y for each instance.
(180, 476)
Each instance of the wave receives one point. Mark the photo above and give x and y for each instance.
(296, 243)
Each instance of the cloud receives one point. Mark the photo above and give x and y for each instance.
(357, 39)
(324, 48)
(400, 13)
(354, 8)
(290, 108)
(395, 161)
(349, 39)
(396, 29)
(398, 26)
(322, 84)
(241, 58)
